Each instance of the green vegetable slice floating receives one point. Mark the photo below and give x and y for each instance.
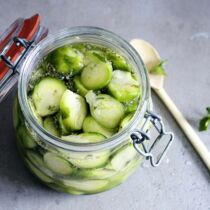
(66, 60)
(91, 125)
(84, 138)
(85, 185)
(57, 164)
(50, 126)
(123, 86)
(125, 121)
(96, 74)
(122, 157)
(47, 95)
(73, 110)
(118, 62)
(105, 109)
(79, 86)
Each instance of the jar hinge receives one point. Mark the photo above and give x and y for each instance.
(139, 138)
(19, 42)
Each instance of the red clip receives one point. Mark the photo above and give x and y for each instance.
(28, 30)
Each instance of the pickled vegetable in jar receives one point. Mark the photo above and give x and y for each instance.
(83, 110)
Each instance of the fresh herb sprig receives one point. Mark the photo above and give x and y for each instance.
(205, 121)
(159, 69)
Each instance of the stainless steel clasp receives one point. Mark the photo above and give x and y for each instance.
(141, 137)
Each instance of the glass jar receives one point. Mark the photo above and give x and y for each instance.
(91, 167)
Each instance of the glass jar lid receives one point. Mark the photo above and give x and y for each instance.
(15, 43)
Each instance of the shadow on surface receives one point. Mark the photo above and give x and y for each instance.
(177, 131)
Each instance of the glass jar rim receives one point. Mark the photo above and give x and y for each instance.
(58, 39)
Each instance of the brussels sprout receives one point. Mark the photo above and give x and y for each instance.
(105, 110)
(131, 105)
(57, 164)
(89, 186)
(84, 138)
(118, 62)
(79, 86)
(50, 125)
(47, 95)
(96, 74)
(25, 138)
(91, 125)
(73, 110)
(66, 60)
(123, 156)
(123, 86)
(63, 130)
(125, 121)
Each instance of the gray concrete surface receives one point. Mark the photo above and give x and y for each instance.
(180, 29)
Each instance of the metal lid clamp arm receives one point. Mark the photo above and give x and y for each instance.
(139, 138)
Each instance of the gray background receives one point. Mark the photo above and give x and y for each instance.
(180, 30)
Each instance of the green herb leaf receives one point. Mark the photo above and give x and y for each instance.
(208, 109)
(204, 123)
(159, 69)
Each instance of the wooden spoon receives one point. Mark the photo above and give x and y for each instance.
(151, 58)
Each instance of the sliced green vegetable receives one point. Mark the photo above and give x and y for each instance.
(123, 86)
(73, 110)
(123, 156)
(25, 137)
(91, 125)
(132, 105)
(35, 158)
(84, 138)
(100, 173)
(66, 60)
(118, 62)
(63, 130)
(105, 109)
(96, 74)
(89, 160)
(57, 164)
(85, 185)
(47, 95)
(125, 121)
(79, 86)
(50, 125)
(205, 121)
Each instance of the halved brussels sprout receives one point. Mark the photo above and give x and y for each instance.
(63, 130)
(73, 110)
(97, 73)
(126, 120)
(123, 156)
(105, 110)
(66, 60)
(79, 86)
(131, 105)
(84, 138)
(47, 94)
(25, 138)
(57, 164)
(50, 125)
(118, 62)
(91, 125)
(123, 86)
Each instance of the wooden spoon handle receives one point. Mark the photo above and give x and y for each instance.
(186, 127)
